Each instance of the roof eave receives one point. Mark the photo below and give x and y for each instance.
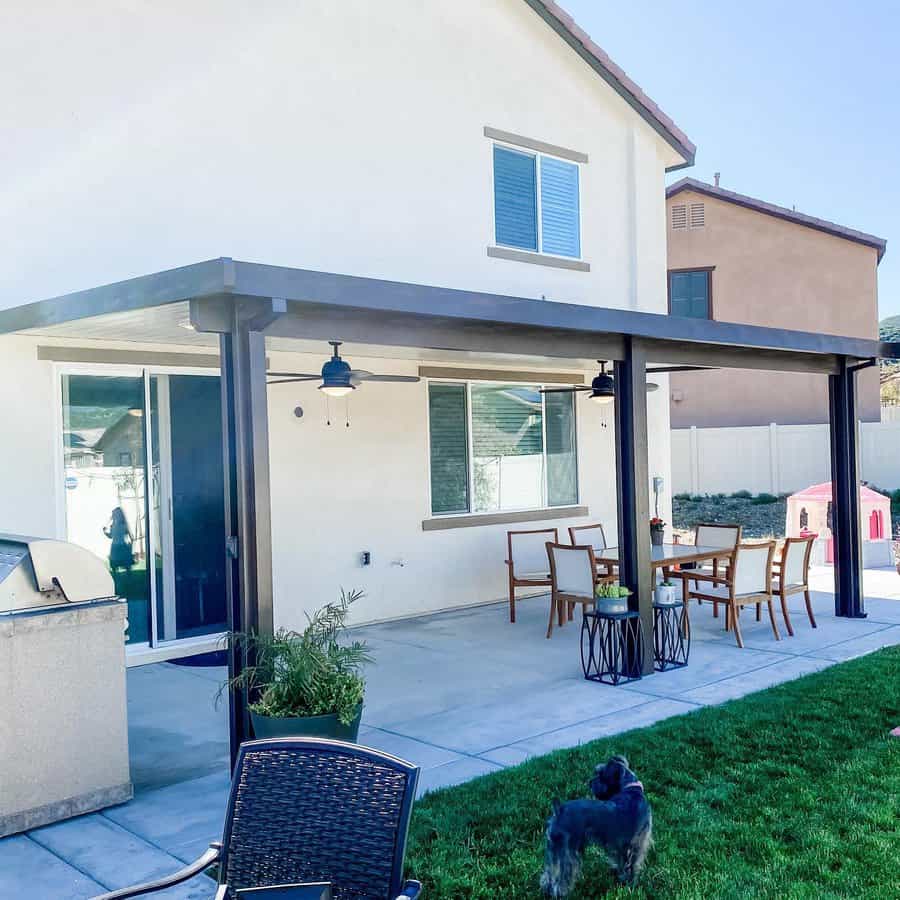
(582, 43)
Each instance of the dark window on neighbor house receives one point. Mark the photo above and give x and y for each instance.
(690, 294)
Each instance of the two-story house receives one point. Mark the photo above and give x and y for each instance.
(488, 146)
(734, 258)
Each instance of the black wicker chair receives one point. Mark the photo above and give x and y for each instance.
(308, 810)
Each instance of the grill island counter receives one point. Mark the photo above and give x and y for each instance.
(63, 718)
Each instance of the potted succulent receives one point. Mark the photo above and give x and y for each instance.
(657, 530)
(612, 596)
(665, 593)
(306, 683)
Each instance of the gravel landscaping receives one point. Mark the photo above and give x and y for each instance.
(762, 516)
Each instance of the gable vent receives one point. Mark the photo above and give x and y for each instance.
(698, 215)
(679, 216)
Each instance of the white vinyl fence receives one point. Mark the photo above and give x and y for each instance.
(776, 459)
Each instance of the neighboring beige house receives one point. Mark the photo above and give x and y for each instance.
(728, 256)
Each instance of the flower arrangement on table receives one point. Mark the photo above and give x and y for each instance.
(657, 530)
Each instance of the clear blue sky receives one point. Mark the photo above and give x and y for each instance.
(797, 103)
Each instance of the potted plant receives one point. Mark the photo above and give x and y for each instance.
(612, 596)
(665, 593)
(657, 530)
(306, 683)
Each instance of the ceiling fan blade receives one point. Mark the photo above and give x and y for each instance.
(293, 380)
(397, 379)
(680, 369)
(566, 390)
(299, 376)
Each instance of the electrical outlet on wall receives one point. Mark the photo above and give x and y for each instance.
(365, 558)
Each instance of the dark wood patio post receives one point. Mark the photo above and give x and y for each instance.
(848, 589)
(247, 495)
(633, 486)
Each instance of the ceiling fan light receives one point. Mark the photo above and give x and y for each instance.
(336, 390)
(603, 389)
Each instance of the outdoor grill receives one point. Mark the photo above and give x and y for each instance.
(63, 723)
(37, 573)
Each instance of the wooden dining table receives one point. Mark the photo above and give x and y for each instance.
(667, 556)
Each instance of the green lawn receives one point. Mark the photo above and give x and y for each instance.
(791, 792)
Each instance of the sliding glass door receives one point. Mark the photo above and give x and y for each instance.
(144, 491)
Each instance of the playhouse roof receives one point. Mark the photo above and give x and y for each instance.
(823, 492)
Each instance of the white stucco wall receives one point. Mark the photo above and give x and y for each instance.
(336, 491)
(345, 137)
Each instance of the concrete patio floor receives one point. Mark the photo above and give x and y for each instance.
(461, 694)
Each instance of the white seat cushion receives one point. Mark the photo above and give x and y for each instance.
(717, 592)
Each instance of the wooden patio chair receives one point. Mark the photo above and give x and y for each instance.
(714, 534)
(747, 582)
(579, 535)
(792, 576)
(526, 561)
(573, 579)
(304, 810)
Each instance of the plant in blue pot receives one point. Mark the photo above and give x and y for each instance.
(612, 597)
(307, 683)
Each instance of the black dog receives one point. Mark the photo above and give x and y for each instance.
(619, 821)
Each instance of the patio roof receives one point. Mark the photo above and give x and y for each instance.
(314, 305)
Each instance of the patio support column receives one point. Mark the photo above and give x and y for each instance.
(633, 486)
(848, 590)
(247, 498)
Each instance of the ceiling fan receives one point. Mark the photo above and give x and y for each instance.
(337, 378)
(603, 388)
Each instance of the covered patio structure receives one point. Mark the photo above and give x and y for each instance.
(242, 307)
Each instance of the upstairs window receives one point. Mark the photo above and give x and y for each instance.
(690, 294)
(536, 203)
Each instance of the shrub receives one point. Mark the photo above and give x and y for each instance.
(688, 496)
(763, 499)
(308, 673)
(741, 495)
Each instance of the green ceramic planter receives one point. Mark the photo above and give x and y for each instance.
(306, 726)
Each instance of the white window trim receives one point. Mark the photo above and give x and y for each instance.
(539, 254)
(470, 468)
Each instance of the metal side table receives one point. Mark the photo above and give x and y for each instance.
(612, 643)
(671, 635)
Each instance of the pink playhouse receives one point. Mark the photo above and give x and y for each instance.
(809, 512)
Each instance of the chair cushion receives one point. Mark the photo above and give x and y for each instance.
(532, 576)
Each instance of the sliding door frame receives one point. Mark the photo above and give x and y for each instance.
(158, 648)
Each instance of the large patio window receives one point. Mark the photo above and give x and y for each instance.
(500, 447)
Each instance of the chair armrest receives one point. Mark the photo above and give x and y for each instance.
(149, 887)
(411, 890)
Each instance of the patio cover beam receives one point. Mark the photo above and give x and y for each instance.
(248, 542)
(633, 487)
(845, 509)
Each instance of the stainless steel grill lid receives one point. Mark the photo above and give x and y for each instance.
(37, 572)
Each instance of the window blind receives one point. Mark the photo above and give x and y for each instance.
(559, 208)
(515, 199)
(447, 416)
